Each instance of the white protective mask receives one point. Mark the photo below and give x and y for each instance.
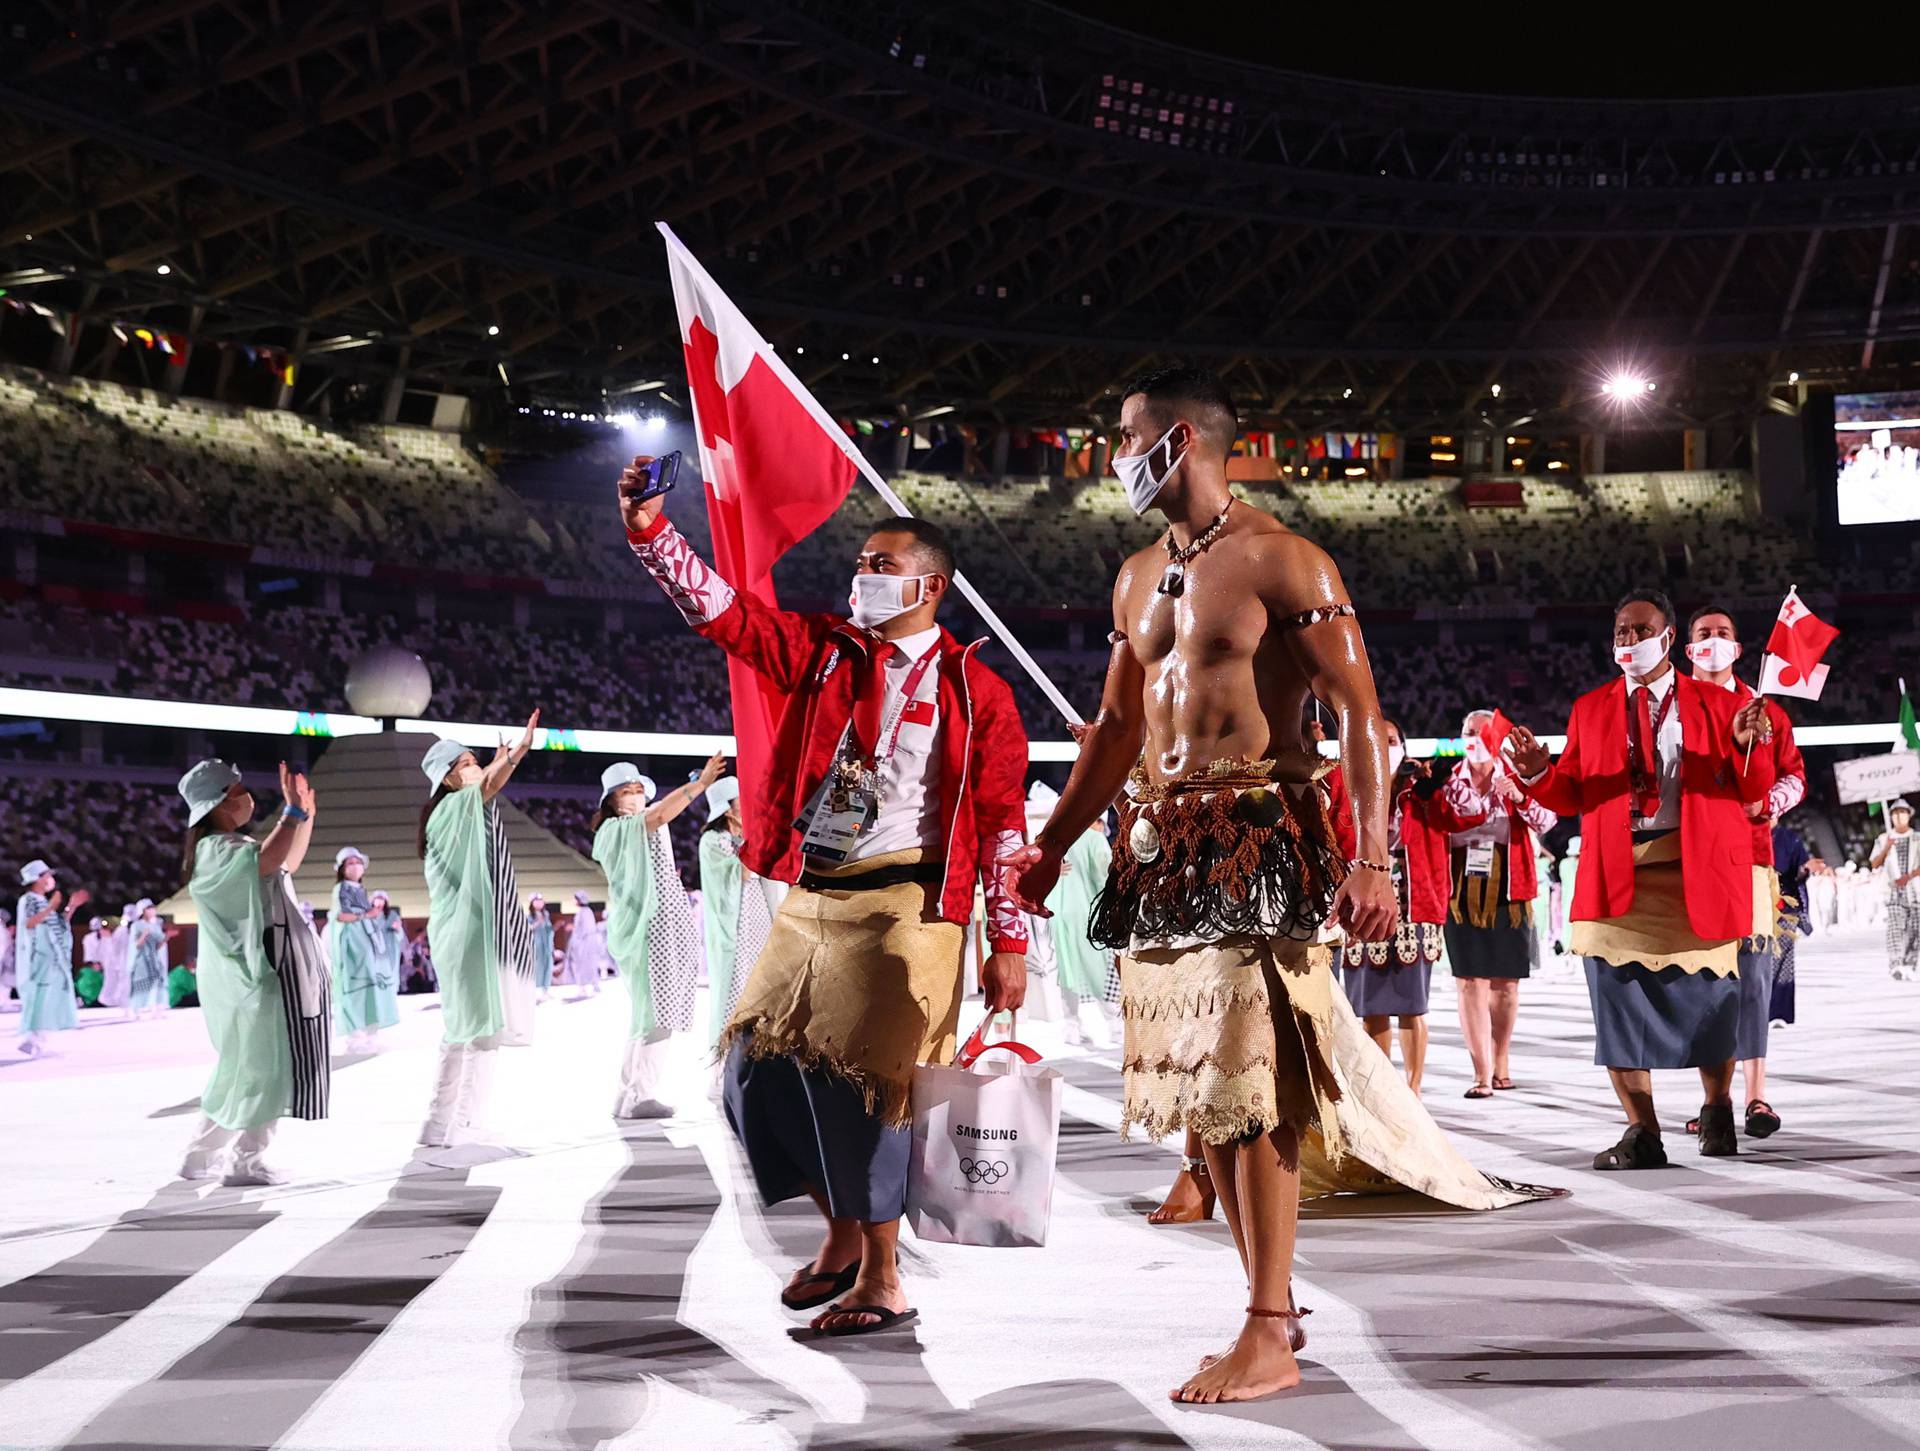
(1396, 756)
(877, 598)
(1137, 476)
(1475, 750)
(1645, 657)
(1714, 654)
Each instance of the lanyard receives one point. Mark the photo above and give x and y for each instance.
(890, 730)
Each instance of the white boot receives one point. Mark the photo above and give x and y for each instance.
(476, 1091)
(208, 1147)
(437, 1132)
(641, 1073)
(248, 1166)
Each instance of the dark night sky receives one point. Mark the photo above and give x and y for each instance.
(1572, 50)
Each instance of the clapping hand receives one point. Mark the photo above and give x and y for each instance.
(295, 790)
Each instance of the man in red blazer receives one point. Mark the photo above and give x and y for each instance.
(1713, 645)
(898, 781)
(1659, 766)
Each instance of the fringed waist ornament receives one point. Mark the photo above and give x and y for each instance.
(1240, 849)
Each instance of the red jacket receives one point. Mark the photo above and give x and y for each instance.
(983, 762)
(1426, 823)
(1789, 774)
(1716, 840)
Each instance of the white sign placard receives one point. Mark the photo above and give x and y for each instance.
(1877, 778)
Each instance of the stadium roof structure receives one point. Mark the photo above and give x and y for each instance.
(1000, 207)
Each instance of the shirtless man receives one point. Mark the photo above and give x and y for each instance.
(1225, 865)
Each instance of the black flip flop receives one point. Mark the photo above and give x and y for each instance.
(1762, 1121)
(1478, 1092)
(889, 1319)
(838, 1283)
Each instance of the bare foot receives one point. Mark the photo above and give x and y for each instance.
(1260, 1364)
(1296, 1339)
(866, 1291)
(1188, 1202)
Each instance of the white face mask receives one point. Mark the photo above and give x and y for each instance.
(877, 598)
(1396, 755)
(1714, 654)
(1137, 476)
(1644, 658)
(1476, 751)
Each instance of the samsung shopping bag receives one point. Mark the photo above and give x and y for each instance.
(984, 1138)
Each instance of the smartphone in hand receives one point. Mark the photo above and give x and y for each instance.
(659, 476)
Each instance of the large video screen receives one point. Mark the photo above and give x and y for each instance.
(1877, 438)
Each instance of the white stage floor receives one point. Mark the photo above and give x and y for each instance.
(617, 1289)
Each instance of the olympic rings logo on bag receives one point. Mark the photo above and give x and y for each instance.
(983, 1171)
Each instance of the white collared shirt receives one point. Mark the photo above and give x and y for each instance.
(909, 814)
(1668, 748)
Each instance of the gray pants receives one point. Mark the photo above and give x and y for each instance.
(1903, 932)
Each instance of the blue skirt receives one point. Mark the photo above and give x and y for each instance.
(808, 1128)
(1665, 1019)
(1756, 1002)
(1399, 991)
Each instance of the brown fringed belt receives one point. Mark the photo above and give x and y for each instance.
(1477, 900)
(1224, 853)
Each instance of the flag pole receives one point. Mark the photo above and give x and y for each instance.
(867, 471)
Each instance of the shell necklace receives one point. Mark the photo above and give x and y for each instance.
(1174, 580)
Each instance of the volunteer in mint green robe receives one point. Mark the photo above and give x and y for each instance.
(476, 1000)
(540, 928)
(359, 1005)
(240, 996)
(1083, 968)
(146, 964)
(620, 847)
(720, 877)
(389, 940)
(43, 969)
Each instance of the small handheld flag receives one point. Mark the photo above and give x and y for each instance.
(1799, 639)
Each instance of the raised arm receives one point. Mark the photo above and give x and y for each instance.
(286, 845)
(669, 807)
(1108, 749)
(506, 759)
(777, 643)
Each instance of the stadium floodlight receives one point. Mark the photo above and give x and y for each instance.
(1496, 390)
(1793, 377)
(163, 270)
(656, 423)
(1625, 387)
(493, 329)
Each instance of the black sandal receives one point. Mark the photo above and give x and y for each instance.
(1637, 1149)
(1477, 1091)
(1762, 1121)
(889, 1319)
(837, 1282)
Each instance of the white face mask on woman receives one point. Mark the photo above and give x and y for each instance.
(877, 598)
(1644, 658)
(1396, 756)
